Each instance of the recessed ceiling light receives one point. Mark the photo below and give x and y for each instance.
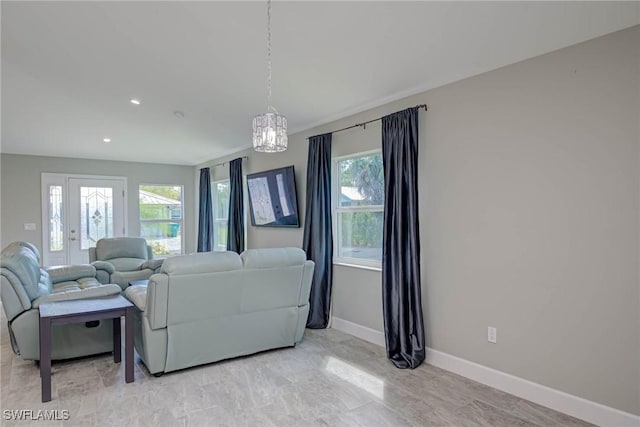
(107, 140)
(135, 101)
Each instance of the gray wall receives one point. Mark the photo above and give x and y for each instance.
(295, 155)
(529, 197)
(20, 197)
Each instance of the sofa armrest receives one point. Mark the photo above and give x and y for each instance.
(75, 294)
(137, 294)
(153, 264)
(65, 273)
(307, 278)
(157, 301)
(14, 298)
(104, 265)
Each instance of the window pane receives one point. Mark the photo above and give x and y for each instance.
(220, 230)
(361, 181)
(161, 202)
(221, 198)
(56, 242)
(163, 237)
(360, 235)
(96, 218)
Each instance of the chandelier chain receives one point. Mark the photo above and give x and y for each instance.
(269, 55)
(270, 128)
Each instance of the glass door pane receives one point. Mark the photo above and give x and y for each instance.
(97, 211)
(56, 219)
(96, 218)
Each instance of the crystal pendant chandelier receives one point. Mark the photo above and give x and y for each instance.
(270, 128)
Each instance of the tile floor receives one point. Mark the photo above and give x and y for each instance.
(329, 379)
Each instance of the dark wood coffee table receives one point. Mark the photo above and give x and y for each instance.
(86, 310)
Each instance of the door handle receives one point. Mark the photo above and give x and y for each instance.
(72, 238)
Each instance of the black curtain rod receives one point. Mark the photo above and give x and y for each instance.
(224, 163)
(364, 124)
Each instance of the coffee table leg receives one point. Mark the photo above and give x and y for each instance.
(117, 340)
(128, 345)
(45, 358)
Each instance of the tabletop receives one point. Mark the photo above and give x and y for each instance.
(83, 306)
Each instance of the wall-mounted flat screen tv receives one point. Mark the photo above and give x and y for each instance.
(272, 198)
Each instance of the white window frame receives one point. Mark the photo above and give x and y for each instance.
(181, 220)
(336, 209)
(214, 205)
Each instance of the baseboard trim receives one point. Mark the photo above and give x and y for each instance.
(575, 406)
(359, 331)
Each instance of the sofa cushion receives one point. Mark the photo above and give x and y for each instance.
(23, 262)
(273, 257)
(81, 283)
(206, 262)
(121, 247)
(127, 264)
(64, 273)
(13, 246)
(45, 283)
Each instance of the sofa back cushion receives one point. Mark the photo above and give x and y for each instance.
(215, 284)
(13, 246)
(23, 263)
(121, 247)
(273, 257)
(206, 262)
(127, 264)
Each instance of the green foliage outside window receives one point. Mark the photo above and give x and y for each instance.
(362, 229)
(358, 228)
(168, 191)
(153, 212)
(222, 200)
(367, 175)
(159, 248)
(161, 217)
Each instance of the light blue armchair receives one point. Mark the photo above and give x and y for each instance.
(121, 260)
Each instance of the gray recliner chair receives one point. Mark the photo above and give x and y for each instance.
(121, 260)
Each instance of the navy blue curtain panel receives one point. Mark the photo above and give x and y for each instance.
(205, 215)
(235, 236)
(401, 295)
(317, 241)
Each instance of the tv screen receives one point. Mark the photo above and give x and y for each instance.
(272, 198)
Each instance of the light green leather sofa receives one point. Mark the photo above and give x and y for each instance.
(211, 306)
(121, 260)
(24, 285)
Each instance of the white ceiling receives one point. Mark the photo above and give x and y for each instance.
(70, 68)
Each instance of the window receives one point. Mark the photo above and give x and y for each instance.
(161, 218)
(56, 219)
(358, 207)
(220, 201)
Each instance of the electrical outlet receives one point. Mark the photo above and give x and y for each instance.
(492, 334)
(29, 226)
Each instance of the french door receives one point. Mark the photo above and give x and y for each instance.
(77, 211)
